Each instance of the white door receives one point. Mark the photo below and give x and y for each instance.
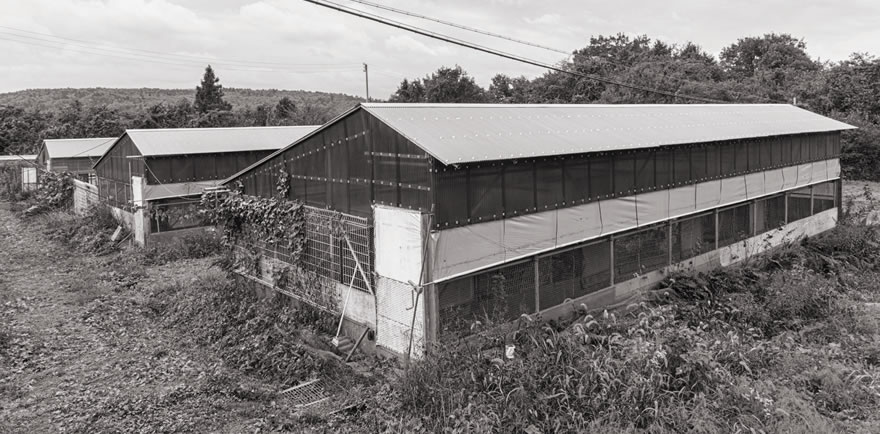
(137, 199)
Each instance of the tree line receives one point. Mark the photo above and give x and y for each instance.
(23, 129)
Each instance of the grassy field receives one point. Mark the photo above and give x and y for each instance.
(98, 339)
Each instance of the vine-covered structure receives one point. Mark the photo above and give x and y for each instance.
(75, 156)
(483, 213)
(153, 178)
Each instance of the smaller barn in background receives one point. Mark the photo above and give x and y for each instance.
(76, 156)
(152, 179)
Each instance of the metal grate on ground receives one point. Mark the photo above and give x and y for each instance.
(306, 394)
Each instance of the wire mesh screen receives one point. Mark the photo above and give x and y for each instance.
(693, 236)
(491, 297)
(574, 273)
(824, 196)
(333, 241)
(769, 214)
(640, 252)
(734, 224)
(799, 204)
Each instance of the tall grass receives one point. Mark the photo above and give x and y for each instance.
(779, 345)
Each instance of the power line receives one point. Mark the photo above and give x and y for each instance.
(93, 147)
(459, 26)
(97, 45)
(473, 46)
(161, 60)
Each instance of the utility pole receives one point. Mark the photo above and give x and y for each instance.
(367, 78)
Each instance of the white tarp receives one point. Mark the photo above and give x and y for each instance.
(464, 250)
(754, 185)
(652, 207)
(805, 174)
(578, 223)
(399, 238)
(733, 190)
(709, 194)
(833, 168)
(773, 180)
(790, 177)
(682, 200)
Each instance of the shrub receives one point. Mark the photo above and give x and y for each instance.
(193, 245)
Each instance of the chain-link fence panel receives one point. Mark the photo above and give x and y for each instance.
(769, 213)
(574, 273)
(734, 224)
(641, 252)
(693, 236)
(799, 204)
(487, 298)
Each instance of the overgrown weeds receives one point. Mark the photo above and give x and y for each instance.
(89, 233)
(193, 245)
(267, 337)
(766, 347)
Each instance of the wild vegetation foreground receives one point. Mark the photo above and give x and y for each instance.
(98, 338)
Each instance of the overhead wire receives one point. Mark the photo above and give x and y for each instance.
(458, 26)
(154, 53)
(434, 35)
(164, 61)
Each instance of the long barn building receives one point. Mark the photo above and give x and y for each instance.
(478, 214)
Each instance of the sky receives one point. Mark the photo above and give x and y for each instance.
(293, 44)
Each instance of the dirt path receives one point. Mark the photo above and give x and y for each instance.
(79, 352)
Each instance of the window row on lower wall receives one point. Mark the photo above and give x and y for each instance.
(531, 285)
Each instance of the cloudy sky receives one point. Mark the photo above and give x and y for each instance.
(292, 44)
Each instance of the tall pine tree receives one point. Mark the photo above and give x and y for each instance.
(209, 95)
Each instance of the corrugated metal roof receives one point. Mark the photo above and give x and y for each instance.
(177, 141)
(78, 148)
(461, 133)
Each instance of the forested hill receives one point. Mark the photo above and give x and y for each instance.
(135, 100)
